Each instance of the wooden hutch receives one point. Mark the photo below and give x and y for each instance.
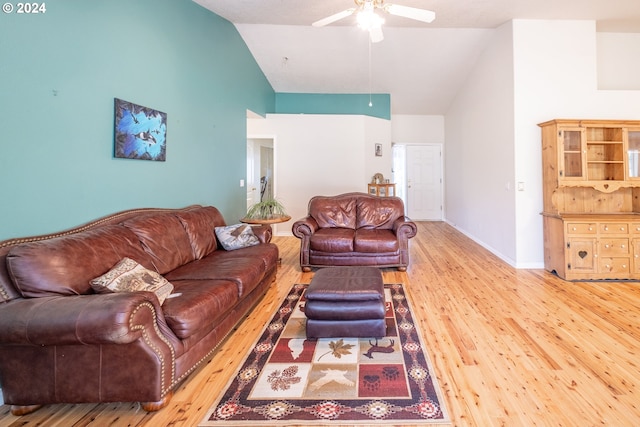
(591, 198)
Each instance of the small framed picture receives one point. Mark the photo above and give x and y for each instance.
(379, 150)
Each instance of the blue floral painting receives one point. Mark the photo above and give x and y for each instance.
(140, 132)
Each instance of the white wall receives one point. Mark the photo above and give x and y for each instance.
(555, 77)
(377, 131)
(479, 152)
(618, 61)
(322, 155)
(415, 129)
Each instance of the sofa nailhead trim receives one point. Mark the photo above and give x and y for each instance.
(145, 336)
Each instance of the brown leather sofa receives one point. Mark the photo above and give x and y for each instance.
(62, 343)
(354, 229)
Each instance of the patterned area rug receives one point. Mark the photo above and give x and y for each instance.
(287, 379)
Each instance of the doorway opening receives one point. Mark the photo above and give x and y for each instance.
(260, 170)
(417, 172)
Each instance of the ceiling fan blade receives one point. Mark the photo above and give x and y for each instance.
(410, 12)
(375, 34)
(333, 18)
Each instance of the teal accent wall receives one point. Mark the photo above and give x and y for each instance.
(314, 103)
(59, 74)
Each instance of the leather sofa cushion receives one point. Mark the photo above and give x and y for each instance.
(338, 284)
(65, 265)
(332, 240)
(199, 225)
(375, 240)
(246, 272)
(198, 303)
(332, 212)
(267, 252)
(164, 238)
(378, 212)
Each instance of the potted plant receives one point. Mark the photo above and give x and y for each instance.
(267, 211)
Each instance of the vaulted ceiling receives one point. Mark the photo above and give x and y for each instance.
(421, 65)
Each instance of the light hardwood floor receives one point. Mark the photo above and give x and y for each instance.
(509, 347)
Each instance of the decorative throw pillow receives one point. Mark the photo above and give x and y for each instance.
(236, 236)
(129, 276)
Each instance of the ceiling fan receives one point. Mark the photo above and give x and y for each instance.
(369, 20)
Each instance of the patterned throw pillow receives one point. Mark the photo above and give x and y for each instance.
(129, 276)
(236, 236)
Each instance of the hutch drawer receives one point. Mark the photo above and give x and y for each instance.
(614, 228)
(613, 247)
(615, 266)
(581, 228)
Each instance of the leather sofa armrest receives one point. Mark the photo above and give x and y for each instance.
(263, 232)
(304, 227)
(116, 318)
(403, 226)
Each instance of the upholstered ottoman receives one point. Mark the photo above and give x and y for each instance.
(346, 302)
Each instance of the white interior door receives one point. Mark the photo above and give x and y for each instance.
(424, 182)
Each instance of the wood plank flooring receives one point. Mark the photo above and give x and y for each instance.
(509, 347)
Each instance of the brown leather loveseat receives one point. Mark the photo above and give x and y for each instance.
(61, 342)
(354, 229)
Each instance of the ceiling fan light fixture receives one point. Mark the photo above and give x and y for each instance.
(368, 19)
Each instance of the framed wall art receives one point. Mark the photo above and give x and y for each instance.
(140, 132)
(379, 150)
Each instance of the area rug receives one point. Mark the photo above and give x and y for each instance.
(287, 379)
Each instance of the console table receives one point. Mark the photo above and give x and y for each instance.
(382, 190)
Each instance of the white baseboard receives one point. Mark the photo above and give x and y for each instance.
(508, 260)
